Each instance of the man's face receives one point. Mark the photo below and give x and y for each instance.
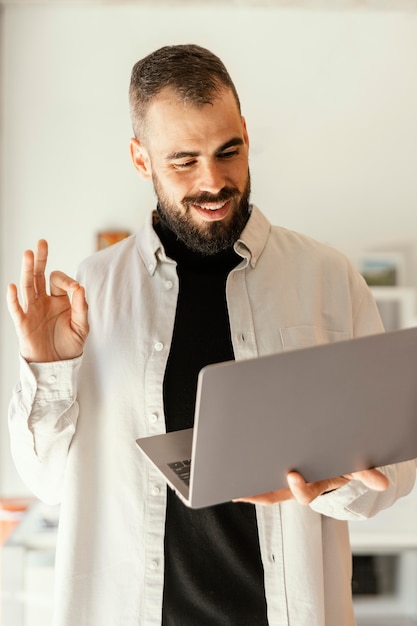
(198, 161)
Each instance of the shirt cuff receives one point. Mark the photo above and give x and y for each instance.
(51, 381)
(342, 503)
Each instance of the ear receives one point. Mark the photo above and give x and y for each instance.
(245, 132)
(140, 158)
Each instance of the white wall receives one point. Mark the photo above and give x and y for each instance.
(330, 99)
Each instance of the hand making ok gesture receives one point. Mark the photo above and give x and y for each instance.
(50, 327)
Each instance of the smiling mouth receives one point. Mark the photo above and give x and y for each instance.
(211, 206)
(212, 211)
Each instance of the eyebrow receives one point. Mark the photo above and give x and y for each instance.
(184, 154)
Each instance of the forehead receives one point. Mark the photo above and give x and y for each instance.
(173, 123)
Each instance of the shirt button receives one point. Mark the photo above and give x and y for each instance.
(159, 346)
(168, 284)
(154, 564)
(153, 418)
(52, 378)
(156, 490)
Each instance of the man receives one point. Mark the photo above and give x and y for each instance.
(207, 279)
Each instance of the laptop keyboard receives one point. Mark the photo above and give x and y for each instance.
(182, 469)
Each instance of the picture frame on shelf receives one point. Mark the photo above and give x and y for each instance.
(382, 269)
(106, 238)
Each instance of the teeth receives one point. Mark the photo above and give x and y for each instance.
(212, 207)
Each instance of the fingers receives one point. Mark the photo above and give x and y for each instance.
(32, 277)
(79, 312)
(33, 281)
(13, 305)
(60, 284)
(271, 497)
(306, 492)
(39, 265)
(27, 284)
(371, 478)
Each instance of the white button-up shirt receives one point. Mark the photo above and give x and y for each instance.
(73, 428)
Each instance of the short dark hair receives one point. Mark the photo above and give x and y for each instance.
(193, 72)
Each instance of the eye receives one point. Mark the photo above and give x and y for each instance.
(228, 154)
(183, 165)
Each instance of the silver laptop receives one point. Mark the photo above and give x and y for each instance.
(324, 411)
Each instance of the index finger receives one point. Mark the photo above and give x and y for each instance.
(61, 284)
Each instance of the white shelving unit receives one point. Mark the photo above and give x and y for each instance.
(27, 569)
(391, 532)
(397, 306)
(394, 531)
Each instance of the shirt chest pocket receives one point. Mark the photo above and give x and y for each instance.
(295, 337)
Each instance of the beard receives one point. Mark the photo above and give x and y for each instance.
(210, 237)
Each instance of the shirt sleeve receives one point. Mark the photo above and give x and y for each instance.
(354, 501)
(43, 415)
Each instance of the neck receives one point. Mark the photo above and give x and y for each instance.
(177, 250)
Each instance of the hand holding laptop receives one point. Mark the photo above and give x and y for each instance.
(306, 492)
(325, 411)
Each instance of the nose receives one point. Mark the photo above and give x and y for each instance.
(212, 178)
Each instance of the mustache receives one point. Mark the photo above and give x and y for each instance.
(226, 193)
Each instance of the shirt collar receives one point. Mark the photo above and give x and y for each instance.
(249, 245)
(254, 236)
(149, 245)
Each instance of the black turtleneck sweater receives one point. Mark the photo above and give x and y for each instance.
(213, 568)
